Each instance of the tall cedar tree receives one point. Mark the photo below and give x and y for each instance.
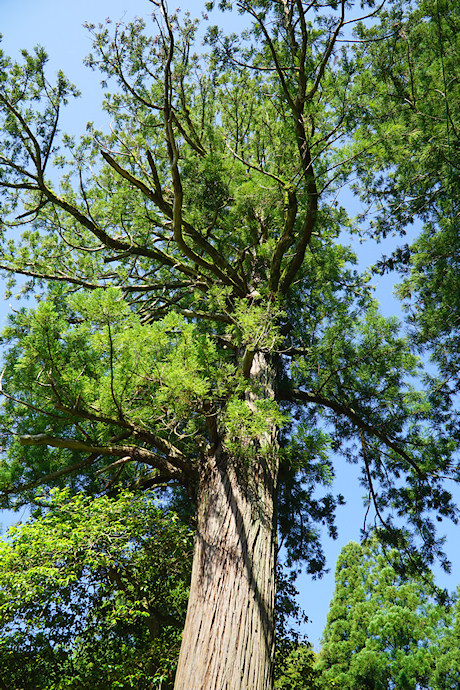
(383, 630)
(200, 324)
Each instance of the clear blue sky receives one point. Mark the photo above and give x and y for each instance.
(58, 26)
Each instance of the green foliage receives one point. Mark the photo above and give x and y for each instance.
(414, 110)
(101, 362)
(446, 675)
(246, 423)
(383, 629)
(415, 113)
(196, 297)
(93, 593)
(297, 670)
(256, 325)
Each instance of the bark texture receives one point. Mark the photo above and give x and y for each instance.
(228, 639)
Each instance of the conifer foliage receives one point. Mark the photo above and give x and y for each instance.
(383, 630)
(200, 323)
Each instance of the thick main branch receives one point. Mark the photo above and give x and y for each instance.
(135, 453)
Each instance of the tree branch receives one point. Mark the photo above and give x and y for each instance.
(327, 54)
(135, 453)
(296, 395)
(285, 240)
(220, 268)
(279, 69)
(52, 476)
(173, 454)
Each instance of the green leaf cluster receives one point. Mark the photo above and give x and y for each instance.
(93, 593)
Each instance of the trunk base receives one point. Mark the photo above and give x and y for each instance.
(228, 639)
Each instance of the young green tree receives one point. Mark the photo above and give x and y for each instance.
(446, 675)
(93, 594)
(383, 630)
(297, 670)
(200, 324)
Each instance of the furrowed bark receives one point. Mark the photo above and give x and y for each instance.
(228, 639)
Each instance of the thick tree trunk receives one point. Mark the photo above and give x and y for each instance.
(228, 639)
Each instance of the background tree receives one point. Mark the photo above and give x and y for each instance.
(296, 670)
(383, 630)
(294, 656)
(200, 325)
(93, 594)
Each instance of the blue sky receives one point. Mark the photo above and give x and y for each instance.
(58, 25)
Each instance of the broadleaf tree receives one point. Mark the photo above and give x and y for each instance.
(200, 323)
(93, 594)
